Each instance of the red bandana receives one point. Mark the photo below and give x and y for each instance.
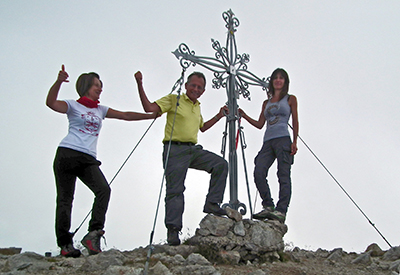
(88, 102)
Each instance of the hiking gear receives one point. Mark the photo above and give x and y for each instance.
(173, 236)
(178, 86)
(70, 251)
(263, 214)
(213, 208)
(92, 241)
(274, 149)
(277, 215)
(181, 158)
(68, 164)
(119, 170)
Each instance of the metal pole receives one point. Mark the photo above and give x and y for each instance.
(232, 106)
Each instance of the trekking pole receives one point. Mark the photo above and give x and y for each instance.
(244, 146)
(341, 187)
(116, 174)
(178, 83)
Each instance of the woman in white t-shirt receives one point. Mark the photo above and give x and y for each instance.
(76, 157)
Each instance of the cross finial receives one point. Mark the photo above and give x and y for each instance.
(231, 21)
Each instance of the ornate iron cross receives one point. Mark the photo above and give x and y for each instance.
(230, 72)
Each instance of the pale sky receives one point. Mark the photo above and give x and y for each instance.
(343, 63)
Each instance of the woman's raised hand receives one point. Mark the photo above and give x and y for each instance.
(63, 75)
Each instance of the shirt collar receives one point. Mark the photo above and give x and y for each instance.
(187, 98)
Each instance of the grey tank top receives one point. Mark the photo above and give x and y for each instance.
(277, 116)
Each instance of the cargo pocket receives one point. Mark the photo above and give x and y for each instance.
(287, 157)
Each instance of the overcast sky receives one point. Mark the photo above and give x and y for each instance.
(343, 61)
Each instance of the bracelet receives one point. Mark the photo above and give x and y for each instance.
(216, 118)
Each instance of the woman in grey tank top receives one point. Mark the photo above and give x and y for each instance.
(277, 144)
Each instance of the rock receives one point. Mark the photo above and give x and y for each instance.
(363, 259)
(217, 226)
(322, 253)
(196, 259)
(392, 254)
(122, 270)
(167, 260)
(258, 272)
(102, 261)
(239, 229)
(220, 246)
(230, 257)
(184, 250)
(266, 236)
(394, 266)
(26, 261)
(10, 251)
(233, 214)
(270, 257)
(196, 270)
(179, 259)
(375, 250)
(159, 269)
(336, 255)
(251, 239)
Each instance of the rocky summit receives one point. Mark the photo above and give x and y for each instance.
(220, 246)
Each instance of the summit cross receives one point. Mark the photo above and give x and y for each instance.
(230, 72)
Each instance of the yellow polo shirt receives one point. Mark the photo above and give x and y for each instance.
(188, 119)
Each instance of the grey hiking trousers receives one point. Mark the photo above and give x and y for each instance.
(279, 149)
(181, 157)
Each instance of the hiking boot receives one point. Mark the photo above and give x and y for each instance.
(173, 236)
(263, 214)
(213, 208)
(233, 214)
(277, 215)
(70, 251)
(92, 241)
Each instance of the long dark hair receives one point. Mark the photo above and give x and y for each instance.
(285, 89)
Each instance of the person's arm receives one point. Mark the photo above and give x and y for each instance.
(208, 124)
(147, 105)
(295, 123)
(111, 113)
(51, 100)
(261, 119)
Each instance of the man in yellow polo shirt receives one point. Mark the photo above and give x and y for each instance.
(184, 153)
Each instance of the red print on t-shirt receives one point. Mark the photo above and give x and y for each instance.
(91, 123)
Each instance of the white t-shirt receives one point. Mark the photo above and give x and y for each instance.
(84, 127)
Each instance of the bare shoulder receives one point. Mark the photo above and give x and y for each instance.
(292, 99)
(264, 103)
